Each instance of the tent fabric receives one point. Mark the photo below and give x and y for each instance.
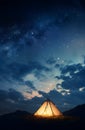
(48, 109)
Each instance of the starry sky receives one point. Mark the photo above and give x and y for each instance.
(42, 54)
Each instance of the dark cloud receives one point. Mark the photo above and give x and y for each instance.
(84, 59)
(76, 77)
(39, 75)
(18, 70)
(51, 61)
(52, 95)
(43, 94)
(14, 95)
(60, 100)
(57, 66)
(13, 100)
(10, 100)
(30, 85)
(58, 77)
(71, 68)
(10, 94)
(3, 95)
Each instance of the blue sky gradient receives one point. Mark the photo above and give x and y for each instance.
(42, 54)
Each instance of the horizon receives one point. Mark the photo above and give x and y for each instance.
(32, 113)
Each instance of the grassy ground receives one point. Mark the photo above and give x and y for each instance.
(16, 122)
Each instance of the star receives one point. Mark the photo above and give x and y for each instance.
(58, 58)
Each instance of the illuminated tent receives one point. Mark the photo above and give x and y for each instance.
(48, 109)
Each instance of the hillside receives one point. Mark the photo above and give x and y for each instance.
(78, 111)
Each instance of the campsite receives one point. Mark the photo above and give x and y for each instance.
(42, 64)
(22, 120)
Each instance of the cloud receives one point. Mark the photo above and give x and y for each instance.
(71, 68)
(76, 77)
(82, 89)
(10, 100)
(14, 95)
(18, 70)
(30, 85)
(13, 100)
(3, 95)
(29, 95)
(51, 61)
(52, 95)
(73, 78)
(84, 59)
(44, 94)
(10, 94)
(58, 99)
(57, 66)
(62, 90)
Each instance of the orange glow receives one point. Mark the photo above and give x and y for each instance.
(48, 109)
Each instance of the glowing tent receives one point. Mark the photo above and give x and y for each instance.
(48, 109)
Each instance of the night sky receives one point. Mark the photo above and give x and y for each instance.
(42, 54)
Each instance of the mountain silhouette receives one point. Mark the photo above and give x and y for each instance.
(78, 111)
(22, 120)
